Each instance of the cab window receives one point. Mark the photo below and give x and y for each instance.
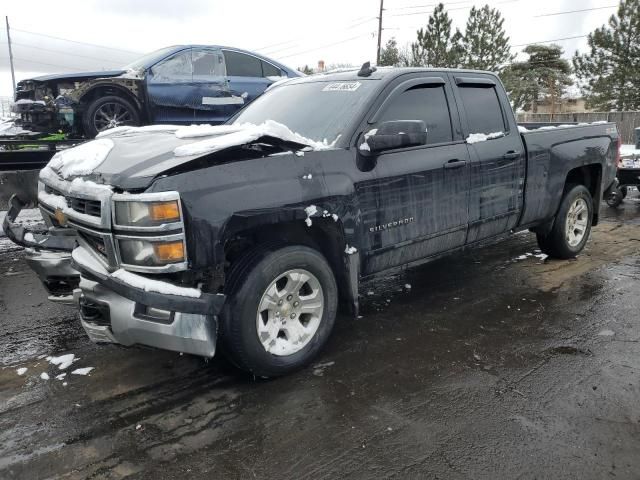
(427, 103)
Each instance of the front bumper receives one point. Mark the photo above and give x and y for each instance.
(48, 253)
(114, 311)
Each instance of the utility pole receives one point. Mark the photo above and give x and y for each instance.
(13, 75)
(379, 32)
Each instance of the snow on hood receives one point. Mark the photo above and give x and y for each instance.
(235, 135)
(81, 160)
(123, 130)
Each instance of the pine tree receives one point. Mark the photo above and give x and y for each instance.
(609, 75)
(544, 76)
(390, 56)
(435, 45)
(485, 43)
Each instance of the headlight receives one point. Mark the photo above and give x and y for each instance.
(146, 214)
(146, 253)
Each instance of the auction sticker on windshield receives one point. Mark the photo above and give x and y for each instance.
(342, 87)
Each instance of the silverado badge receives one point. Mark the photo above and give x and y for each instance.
(61, 217)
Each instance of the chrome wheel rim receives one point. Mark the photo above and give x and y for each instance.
(577, 221)
(289, 312)
(110, 115)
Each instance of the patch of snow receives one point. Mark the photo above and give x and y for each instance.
(245, 134)
(307, 177)
(64, 384)
(606, 333)
(364, 146)
(521, 257)
(82, 371)
(149, 285)
(483, 137)
(81, 160)
(53, 200)
(88, 187)
(63, 361)
(407, 286)
(318, 369)
(522, 129)
(123, 130)
(44, 376)
(335, 217)
(61, 376)
(350, 250)
(299, 153)
(311, 210)
(370, 133)
(204, 130)
(541, 256)
(21, 371)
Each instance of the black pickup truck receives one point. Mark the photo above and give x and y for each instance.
(254, 233)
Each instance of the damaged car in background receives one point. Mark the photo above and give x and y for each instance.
(177, 85)
(252, 234)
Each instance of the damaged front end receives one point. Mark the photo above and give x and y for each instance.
(48, 250)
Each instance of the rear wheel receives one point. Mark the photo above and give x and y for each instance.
(281, 312)
(572, 225)
(108, 112)
(615, 197)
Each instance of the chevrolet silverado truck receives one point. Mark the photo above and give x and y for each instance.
(252, 235)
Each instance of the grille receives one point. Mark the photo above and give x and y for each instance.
(88, 207)
(80, 205)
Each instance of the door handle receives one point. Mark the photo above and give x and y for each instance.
(455, 163)
(511, 155)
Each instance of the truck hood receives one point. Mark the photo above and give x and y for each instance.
(75, 76)
(130, 158)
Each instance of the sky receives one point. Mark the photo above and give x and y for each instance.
(89, 35)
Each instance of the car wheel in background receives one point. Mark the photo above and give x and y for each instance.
(108, 112)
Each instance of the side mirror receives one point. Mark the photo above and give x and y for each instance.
(394, 134)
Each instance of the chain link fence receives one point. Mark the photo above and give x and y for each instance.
(627, 122)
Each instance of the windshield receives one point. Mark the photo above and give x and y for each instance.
(149, 59)
(316, 110)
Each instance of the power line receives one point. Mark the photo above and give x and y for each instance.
(574, 11)
(47, 64)
(327, 45)
(119, 62)
(550, 41)
(75, 41)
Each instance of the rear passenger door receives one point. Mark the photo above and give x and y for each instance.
(249, 76)
(497, 165)
(417, 205)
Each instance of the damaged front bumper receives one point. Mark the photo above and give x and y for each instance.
(48, 253)
(114, 311)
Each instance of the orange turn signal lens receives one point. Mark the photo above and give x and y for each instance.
(164, 211)
(169, 251)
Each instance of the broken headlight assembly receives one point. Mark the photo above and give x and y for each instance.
(150, 231)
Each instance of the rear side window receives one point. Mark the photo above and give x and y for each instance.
(241, 65)
(269, 70)
(483, 110)
(427, 103)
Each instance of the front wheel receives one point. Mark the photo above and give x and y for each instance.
(572, 225)
(281, 313)
(109, 112)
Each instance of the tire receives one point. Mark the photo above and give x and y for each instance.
(255, 334)
(615, 198)
(576, 209)
(108, 112)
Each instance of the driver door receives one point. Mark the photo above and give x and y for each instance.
(418, 204)
(189, 86)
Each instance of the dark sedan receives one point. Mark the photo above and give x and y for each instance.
(179, 84)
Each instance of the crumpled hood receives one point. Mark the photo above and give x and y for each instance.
(130, 158)
(75, 76)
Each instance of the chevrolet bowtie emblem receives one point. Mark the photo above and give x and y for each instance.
(60, 216)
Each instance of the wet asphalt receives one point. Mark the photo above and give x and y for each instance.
(489, 364)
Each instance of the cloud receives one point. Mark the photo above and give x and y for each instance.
(176, 9)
